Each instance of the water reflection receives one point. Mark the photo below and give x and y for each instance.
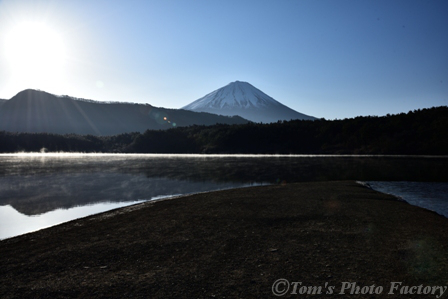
(36, 184)
(235, 167)
(37, 194)
(14, 223)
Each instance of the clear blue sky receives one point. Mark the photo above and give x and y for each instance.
(332, 59)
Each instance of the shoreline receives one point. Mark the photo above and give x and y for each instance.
(232, 243)
(174, 196)
(397, 198)
(123, 209)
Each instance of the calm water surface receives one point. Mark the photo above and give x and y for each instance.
(429, 195)
(42, 190)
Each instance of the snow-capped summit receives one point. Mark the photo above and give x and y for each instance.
(243, 99)
(235, 94)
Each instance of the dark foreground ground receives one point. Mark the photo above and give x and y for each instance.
(236, 244)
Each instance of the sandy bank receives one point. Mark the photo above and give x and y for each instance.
(235, 244)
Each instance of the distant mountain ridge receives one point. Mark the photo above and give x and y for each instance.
(35, 111)
(247, 101)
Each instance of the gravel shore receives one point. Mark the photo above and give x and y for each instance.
(334, 239)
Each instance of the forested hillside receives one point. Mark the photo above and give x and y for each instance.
(416, 132)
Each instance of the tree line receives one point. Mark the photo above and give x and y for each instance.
(419, 132)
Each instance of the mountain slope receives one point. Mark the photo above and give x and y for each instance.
(37, 111)
(243, 99)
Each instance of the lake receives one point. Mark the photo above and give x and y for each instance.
(41, 190)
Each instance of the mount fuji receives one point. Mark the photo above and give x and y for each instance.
(243, 99)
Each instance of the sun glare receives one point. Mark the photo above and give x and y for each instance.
(35, 53)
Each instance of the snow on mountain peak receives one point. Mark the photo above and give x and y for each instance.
(243, 99)
(236, 94)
